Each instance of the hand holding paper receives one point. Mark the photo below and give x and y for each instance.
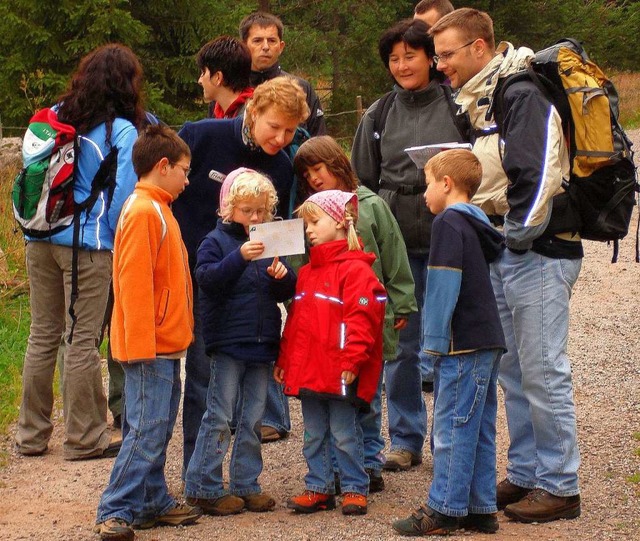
(280, 238)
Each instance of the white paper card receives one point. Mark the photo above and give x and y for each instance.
(422, 154)
(280, 237)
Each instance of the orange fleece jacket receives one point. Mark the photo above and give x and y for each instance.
(153, 295)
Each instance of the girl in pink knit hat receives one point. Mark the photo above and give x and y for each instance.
(241, 324)
(331, 351)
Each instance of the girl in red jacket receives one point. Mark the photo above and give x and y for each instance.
(331, 351)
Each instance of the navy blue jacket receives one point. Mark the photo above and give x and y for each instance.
(238, 299)
(217, 149)
(461, 311)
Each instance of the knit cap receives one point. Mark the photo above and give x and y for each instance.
(333, 202)
(228, 182)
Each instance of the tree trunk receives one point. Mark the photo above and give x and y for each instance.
(264, 5)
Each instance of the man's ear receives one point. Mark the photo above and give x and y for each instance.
(448, 183)
(282, 44)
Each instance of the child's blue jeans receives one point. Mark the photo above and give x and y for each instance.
(328, 422)
(464, 457)
(137, 487)
(234, 385)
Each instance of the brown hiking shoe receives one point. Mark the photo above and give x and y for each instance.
(507, 492)
(310, 502)
(541, 506)
(114, 529)
(181, 515)
(259, 502)
(354, 504)
(222, 506)
(269, 434)
(401, 459)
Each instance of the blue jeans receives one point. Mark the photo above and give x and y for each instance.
(533, 294)
(405, 403)
(371, 425)
(137, 488)
(276, 413)
(234, 385)
(331, 428)
(196, 383)
(464, 422)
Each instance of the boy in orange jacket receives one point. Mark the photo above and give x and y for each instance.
(151, 328)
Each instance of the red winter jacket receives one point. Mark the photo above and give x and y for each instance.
(334, 324)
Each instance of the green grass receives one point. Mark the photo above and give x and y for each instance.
(14, 306)
(14, 331)
(635, 478)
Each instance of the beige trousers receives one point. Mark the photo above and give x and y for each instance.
(84, 401)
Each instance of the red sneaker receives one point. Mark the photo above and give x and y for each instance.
(354, 504)
(310, 502)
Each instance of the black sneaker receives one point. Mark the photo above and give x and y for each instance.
(425, 521)
(376, 482)
(484, 523)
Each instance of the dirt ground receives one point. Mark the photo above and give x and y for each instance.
(48, 498)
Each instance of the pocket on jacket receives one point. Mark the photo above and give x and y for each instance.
(163, 306)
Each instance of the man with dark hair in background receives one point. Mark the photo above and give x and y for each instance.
(262, 33)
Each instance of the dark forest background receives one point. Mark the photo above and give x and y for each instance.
(333, 43)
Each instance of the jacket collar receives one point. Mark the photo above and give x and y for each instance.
(258, 77)
(337, 250)
(477, 94)
(154, 192)
(419, 98)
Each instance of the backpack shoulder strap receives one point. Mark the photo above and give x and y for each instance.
(462, 122)
(380, 119)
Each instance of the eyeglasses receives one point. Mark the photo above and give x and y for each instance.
(248, 211)
(186, 170)
(446, 56)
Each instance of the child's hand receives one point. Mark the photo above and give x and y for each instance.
(400, 323)
(251, 249)
(278, 374)
(277, 270)
(348, 377)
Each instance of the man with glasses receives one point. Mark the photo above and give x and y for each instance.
(523, 168)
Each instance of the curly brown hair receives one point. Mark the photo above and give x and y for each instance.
(106, 85)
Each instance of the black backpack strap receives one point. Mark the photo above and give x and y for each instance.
(380, 119)
(462, 122)
(104, 180)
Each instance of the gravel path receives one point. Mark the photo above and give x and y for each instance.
(48, 498)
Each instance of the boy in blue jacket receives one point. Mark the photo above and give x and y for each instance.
(462, 329)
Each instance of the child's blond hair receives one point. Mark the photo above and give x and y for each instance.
(248, 184)
(461, 165)
(309, 210)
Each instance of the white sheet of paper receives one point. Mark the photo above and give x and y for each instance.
(422, 154)
(280, 237)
